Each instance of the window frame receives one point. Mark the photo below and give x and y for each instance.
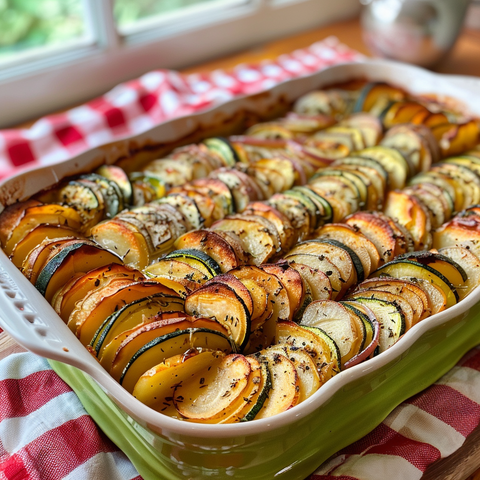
(71, 76)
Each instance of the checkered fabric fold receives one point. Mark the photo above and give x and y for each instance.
(134, 107)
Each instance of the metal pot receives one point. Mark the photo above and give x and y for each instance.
(414, 31)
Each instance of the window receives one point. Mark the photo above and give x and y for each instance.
(55, 53)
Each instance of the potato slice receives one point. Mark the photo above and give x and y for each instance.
(212, 244)
(308, 377)
(470, 264)
(258, 236)
(156, 386)
(77, 289)
(412, 214)
(334, 319)
(211, 392)
(221, 303)
(317, 344)
(130, 364)
(291, 281)
(285, 391)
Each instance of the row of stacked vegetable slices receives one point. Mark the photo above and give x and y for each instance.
(217, 319)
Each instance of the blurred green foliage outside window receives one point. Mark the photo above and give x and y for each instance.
(26, 24)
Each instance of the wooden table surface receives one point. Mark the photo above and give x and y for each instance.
(464, 59)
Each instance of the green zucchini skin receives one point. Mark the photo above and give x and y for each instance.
(230, 346)
(103, 331)
(355, 259)
(387, 270)
(53, 265)
(257, 406)
(327, 216)
(224, 148)
(205, 259)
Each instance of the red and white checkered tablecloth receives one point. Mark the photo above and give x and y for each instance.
(45, 434)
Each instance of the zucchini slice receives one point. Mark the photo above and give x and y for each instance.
(198, 259)
(91, 313)
(371, 330)
(118, 176)
(128, 342)
(41, 254)
(397, 300)
(308, 204)
(138, 312)
(325, 212)
(337, 185)
(222, 147)
(364, 248)
(185, 274)
(443, 264)
(395, 164)
(409, 269)
(156, 386)
(161, 348)
(285, 390)
(374, 96)
(213, 245)
(357, 263)
(69, 261)
(335, 320)
(390, 318)
(221, 303)
(111, 193)
(354, 181)
(410, 143)
(413, 294)
(316, 343)
(468, 181)
(254, 403)
(86, 197)
(241, 189)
